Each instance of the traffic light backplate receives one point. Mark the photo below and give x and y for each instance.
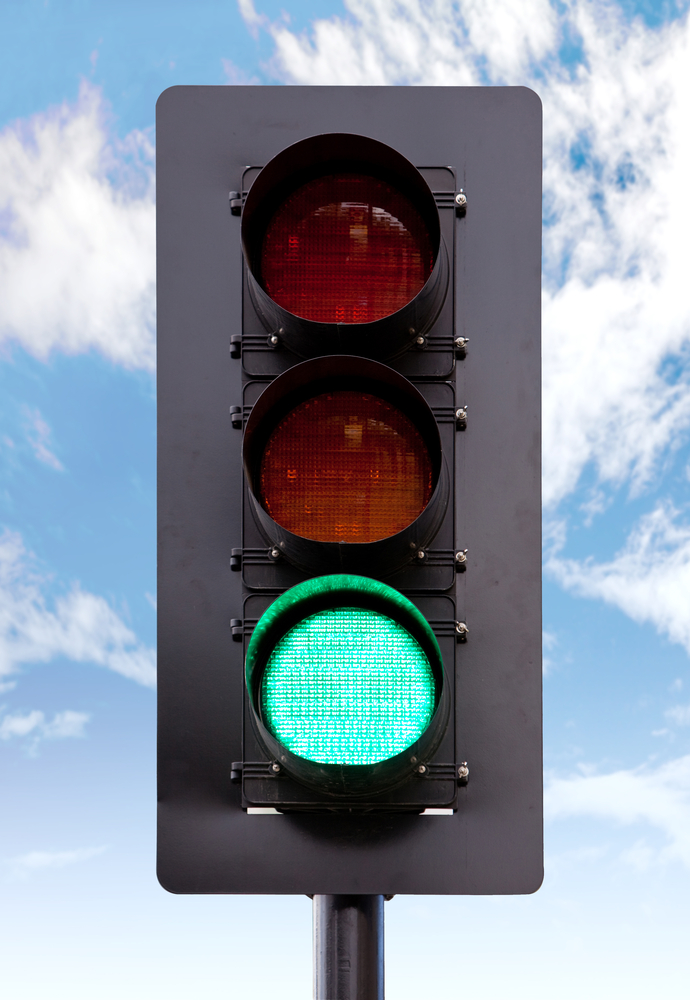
(232, 817)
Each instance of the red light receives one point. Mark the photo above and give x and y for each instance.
(345, 466)
(345, 248)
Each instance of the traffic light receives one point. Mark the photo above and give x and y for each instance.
(349, 569)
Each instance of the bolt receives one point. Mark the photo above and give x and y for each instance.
(462, 629)
(461, 199)
(461, 343)
(461, 556)
(413, 545)
(421, 555)
(413, 760)
(275, 767)
(420, 341)
(274, 553)
(461, 414)
(463, 770)
(274, 340)
(421, 769)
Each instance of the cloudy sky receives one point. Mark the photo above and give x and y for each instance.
(82, 913)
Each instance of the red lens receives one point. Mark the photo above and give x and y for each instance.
(345, 248)
(345, 466)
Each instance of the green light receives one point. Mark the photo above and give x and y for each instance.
(348, 685)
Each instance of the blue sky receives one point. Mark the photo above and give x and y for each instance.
(82, 914)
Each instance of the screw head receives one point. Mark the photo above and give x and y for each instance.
(274, 340)
(421, 769)
(275, 767)
(461, 413)
(461, 556)
(421, 555)
(461, 628)
(420, 341)
(461, 199)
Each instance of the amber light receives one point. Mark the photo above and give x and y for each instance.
(345, 248)
(345, 466)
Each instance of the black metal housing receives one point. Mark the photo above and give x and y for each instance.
(342, 153)
(350, 780)
(308, 379)
(228, 823)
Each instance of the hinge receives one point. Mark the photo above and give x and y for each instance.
(236, 202)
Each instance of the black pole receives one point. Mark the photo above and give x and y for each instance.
(348, 947)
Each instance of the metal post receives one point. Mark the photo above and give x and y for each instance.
(348, 947)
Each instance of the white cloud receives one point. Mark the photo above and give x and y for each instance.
(26, 864)
(77, 258)
(649, 579)
(20, 725)
(414, 41)
(82, 627)
(616, 162)
(659, 797)
(236, 76)
(39, 435)
(253, 20)
(62, 725)
(680, 714)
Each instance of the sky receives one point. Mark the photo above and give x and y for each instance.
(82, 913)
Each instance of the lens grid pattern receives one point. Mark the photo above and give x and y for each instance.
(345, 467)
(345, 248)
(347, 686)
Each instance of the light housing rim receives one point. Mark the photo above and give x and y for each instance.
(319, 594)
(386, 555)
(316, 156)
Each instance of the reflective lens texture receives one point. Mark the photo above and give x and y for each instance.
(345, 466)
(347, 686)
(345, 248)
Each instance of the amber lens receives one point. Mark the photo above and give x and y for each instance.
(345, 248)
(345, 467)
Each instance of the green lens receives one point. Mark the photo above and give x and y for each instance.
(347, 686)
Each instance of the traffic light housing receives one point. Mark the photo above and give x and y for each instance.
(349, 598)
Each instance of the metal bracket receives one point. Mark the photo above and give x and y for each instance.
(236, 346)
(236, 202)
(461, 631)
(460, 345)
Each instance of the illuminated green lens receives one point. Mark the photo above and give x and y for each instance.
(347, 686)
